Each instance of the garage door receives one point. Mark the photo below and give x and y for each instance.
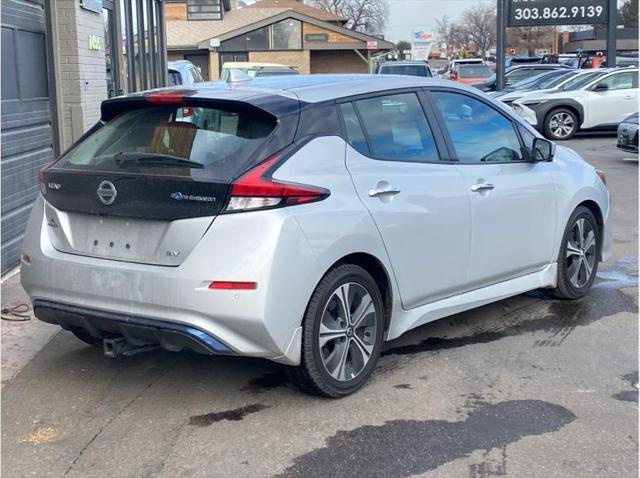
(27, 139)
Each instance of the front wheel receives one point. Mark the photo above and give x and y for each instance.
(342, 333)
(578, 259)
(561, 123)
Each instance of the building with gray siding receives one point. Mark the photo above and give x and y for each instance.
(60, 60)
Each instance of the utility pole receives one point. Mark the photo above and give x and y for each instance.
(500, 47)
(612, 26)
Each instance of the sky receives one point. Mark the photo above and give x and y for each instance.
(405, 15)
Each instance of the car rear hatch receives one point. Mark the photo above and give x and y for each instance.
(145, 184)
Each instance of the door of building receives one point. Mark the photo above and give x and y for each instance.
(27, 125)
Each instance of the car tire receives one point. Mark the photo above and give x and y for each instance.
(339, 360)
(560, 124)
(87, 338)
(578, 258)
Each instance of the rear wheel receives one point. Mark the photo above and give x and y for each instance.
(87, 338)
(578, 259)
(342, 333)
(561, 123)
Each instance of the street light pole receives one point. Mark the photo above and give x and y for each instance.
(500, 47)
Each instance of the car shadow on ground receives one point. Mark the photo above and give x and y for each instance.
(537, 312)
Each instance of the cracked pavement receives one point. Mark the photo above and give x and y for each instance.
(528, 386)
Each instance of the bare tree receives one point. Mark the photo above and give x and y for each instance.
(479, 25)
(368, 16)
(453, 35)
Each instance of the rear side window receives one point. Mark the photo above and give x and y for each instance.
(397, 128)
(479, 133)
(153, 140)
(355, 136)
(174, 78)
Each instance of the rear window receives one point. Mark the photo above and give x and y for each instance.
(164, 139)
(411, 70)
(473, 71)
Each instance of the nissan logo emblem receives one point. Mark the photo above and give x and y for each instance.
(107, 192)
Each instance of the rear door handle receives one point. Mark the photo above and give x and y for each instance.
(383, 191)
(476, 188)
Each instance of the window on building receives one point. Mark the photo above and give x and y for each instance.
(204, 10)
(258, 39)
(286, 35)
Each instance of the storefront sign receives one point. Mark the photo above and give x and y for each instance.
(421, 43)
(95, 42)
(92, 5)
(556, 12)
(372, 45)
(316, 37)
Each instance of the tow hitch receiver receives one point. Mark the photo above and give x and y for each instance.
(112, 348)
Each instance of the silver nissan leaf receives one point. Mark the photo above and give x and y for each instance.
(305, 220)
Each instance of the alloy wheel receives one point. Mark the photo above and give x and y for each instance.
(562, 124)
(348, 329)
(581, 253)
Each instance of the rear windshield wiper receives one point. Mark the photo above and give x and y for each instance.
(123, 158)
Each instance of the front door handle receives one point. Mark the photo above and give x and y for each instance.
(383, 191)
(476, 188)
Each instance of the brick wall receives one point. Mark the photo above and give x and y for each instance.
(82, 80)
(297, 59)
(214, 66)
(337, 61)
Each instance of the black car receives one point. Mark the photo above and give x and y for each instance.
(411, 68)
(628, 134)
(518, 73)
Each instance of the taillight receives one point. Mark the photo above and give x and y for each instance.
(602, 176)
(256, 189)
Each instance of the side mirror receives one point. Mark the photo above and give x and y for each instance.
(600, 87)
(542, 150)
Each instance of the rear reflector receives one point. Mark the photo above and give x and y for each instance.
(256, 189)
(220, 284)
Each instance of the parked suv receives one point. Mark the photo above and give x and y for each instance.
(599, 99)
(183, 72)
(517, 73)
(305, 219)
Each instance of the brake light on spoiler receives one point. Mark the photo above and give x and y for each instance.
(256, 190)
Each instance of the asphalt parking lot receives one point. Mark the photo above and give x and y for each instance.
(528, 386)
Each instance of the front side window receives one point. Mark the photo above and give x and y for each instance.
(397, 128)
(171, 140)
(619, 81)
(479, 133)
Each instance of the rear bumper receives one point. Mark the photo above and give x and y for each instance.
(264, 322)
(136, 330)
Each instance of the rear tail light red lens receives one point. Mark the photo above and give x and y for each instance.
(233, 285)
(256, 189)
(164, 97)
(602, 176)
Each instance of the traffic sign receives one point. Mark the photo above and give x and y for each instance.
(556, 12)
